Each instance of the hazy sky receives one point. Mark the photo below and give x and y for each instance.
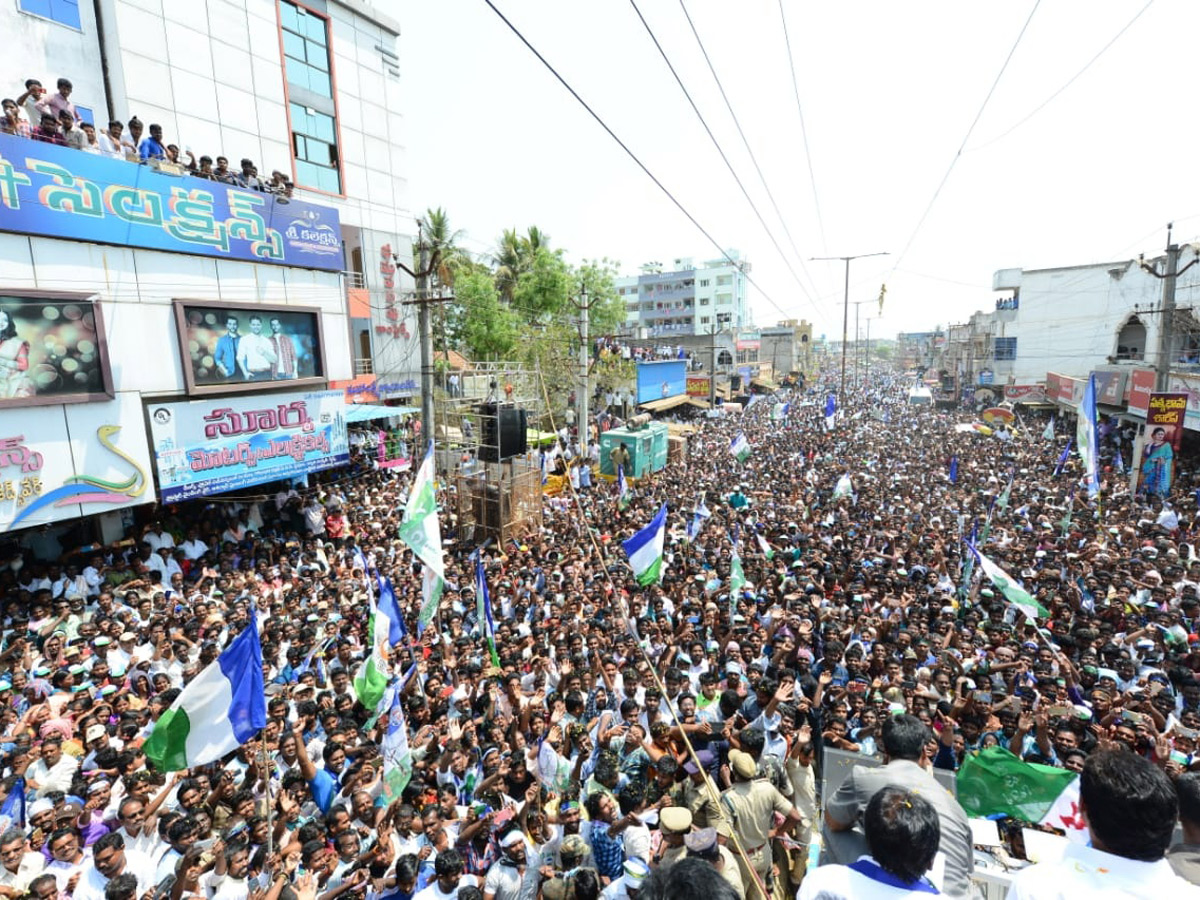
(888, 92)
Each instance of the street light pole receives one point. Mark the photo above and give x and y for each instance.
(845, 306)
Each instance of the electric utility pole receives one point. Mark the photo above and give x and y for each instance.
(581, 397)
(845, 306)
(425, 268)
(1166, 326)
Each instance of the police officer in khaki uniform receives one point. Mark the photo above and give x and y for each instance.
(673, 823)
(694, 794)
(749, 806)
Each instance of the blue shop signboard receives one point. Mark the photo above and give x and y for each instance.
(59, 192)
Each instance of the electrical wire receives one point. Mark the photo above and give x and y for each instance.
(749, 150)
(724, 157)
(1070, 81)
(812, 177)
(633, 156)
(958, 153)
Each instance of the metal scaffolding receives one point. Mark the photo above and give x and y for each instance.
(495, 497)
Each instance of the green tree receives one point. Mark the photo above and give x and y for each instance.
(443, 243)
(544, 290)
(606, 308)
(489, 328)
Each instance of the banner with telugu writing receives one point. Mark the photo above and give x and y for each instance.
(207, 447)
(59, 192)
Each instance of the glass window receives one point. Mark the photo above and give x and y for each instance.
(64, 12)
(1006, 348)
(314, 144)
(305, 49)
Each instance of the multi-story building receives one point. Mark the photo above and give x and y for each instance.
(134, 287)
(787, 347)
(686, 300)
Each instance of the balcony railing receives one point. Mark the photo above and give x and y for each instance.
(364, 366)
(354, 279)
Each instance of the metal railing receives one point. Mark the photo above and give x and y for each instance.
(354, 279)
(364, 366)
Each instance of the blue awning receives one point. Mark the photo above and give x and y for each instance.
(363, 412)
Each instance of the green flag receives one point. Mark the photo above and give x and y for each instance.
(994, 781)
(420, 530)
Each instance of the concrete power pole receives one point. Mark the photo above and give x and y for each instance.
(425, 267)
(581, 399)
(1166, 325)
(425, 327)
(845, 309)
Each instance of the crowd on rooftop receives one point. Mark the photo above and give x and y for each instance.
(55, 119)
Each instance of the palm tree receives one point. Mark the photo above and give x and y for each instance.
(443, 244)
(510, 262)
(535, 239)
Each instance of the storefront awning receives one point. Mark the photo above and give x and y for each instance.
(364, 412)
(672, 402)
(765, 383)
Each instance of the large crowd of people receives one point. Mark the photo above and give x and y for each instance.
(625, 741)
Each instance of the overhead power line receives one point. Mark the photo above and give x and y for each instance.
(1070, 81)
(812, 177)
(633, 156)
(749, 150)
(966, 137)
(724, 157)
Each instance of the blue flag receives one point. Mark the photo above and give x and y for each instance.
(954, 469)
(830, 406)
(1062, 460)
(485, 601)
(12, 813)
(387, 605)
(1087, 438)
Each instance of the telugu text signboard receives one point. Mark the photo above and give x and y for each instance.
(1160, 441)
(61, 193)
(210, 446)
(63, 462)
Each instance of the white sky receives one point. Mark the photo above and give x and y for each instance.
(888, 91)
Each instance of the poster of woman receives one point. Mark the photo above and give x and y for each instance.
(52, 350)
(1158, 457)
(1160, 441)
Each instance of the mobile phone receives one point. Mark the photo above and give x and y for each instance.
(163, 888)
(1061, 711)
(982, 696)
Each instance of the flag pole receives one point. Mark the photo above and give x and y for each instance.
(270, 802)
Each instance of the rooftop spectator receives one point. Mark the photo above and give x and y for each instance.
(61, 102)
(13, 122)
(223, 173)
(48, 131)
(89, 132)
(31, 101)
(112, 144)
(248, 178)
(73, 137)
(152, 147)
(135, 131)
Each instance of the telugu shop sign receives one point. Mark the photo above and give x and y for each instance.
(59, 192)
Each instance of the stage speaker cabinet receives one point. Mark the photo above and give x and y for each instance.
(502, 432)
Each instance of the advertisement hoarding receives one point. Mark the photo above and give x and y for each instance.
(61, 193)
(228, 347)
(1141, 385)
(62, 462)
(204, 447)
(656, 380)
(1160, 441)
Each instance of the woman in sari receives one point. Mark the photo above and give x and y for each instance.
(14, 360)
(1156, 463)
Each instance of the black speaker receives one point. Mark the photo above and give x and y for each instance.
(513, 438)
(511, 423)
